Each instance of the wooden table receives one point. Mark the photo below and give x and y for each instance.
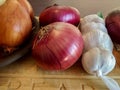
(25, 75)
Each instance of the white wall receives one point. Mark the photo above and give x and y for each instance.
(92, 6)
(84, 6)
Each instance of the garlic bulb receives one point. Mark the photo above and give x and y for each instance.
(87, 27)
(92, 18)
(97, 38)
(98, 60)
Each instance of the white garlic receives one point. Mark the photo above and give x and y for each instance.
(97, 61)
(97, 58)
(87, 27)
(100, 62)
(92, 18)
(97, 38)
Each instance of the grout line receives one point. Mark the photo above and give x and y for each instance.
(52, 76)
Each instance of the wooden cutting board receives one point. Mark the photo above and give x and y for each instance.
(25, 75)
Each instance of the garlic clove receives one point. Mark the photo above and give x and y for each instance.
(109, 59)
(98, 60)
(92, 26)
(97, 38)
(90, 60)
(92, 18)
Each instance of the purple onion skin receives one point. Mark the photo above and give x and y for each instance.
(59, 14)
(60, 48)
(112, 22)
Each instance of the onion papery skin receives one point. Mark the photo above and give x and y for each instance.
(112, 22)
(60, 48)
(59, 14)
(28, 7)
(15, 24)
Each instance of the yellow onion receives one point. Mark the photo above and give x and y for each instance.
(15, 24)
(28, 7)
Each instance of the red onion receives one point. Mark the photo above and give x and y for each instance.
(59, 14)
(113, 25)
(57, 46)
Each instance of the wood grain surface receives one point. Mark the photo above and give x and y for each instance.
(24, 74)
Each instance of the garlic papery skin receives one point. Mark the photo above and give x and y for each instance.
(92, 26)
(110, 83)
(2, 2)
(96, 60)
(97, 38)
(92, 18)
